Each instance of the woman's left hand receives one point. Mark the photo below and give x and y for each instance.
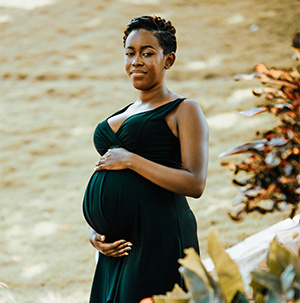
(113, 159)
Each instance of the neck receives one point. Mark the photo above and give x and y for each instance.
(156, 94)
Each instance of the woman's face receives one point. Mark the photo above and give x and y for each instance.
(144, 60)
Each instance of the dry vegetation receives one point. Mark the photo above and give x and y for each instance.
(62, 73)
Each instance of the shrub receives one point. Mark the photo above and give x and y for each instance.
(273, 161)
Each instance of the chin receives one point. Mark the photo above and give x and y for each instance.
(140, 86)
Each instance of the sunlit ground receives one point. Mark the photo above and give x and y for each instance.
(25, 4)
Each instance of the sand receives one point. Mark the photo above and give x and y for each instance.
(62, 73)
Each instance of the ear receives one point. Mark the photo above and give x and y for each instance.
(169, 60)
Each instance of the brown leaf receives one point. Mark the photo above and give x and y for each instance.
(237, 217)
(240, 77)
(263, 90)
(253, 111)
(259, 145)
(261, 68)
(177, 295)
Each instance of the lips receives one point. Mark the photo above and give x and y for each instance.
(137, 72)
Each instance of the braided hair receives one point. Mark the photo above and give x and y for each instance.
(163, 30)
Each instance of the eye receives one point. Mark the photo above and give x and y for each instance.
(147, 54)
(129, 54)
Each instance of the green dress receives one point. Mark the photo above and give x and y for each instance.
(124, 205)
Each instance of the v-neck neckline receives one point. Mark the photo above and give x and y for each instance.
(144, 112)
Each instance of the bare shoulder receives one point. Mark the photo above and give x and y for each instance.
(191, 120)
(190, 109)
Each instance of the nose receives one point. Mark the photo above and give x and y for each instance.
(137, 60)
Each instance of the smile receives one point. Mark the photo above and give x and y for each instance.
(137, 72)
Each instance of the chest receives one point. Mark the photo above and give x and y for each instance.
(116, 122)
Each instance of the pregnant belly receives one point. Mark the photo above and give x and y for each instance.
(118, 204)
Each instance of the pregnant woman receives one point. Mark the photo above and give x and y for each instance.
(154, 153)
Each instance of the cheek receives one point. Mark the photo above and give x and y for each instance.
(127, 65)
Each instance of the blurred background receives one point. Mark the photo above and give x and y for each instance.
(62, 73)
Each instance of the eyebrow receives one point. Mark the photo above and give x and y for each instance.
(143, 47)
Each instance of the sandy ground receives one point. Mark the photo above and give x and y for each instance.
(62, 73)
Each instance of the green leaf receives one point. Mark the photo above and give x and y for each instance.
(193, 262)
(265, 279)
(199, 291)
(279, 257)
(271, 298)
(287, 278)
(239, 298)
(277, 286)
(230, 279)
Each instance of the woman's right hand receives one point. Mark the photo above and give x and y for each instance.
(116, 249)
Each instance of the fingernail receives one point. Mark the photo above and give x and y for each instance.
(129, 244)
(126, 254)
(129, 248)
(123, 242)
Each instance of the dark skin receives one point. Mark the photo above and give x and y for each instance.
(146, 67)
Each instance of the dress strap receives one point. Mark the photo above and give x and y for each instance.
(166, 108)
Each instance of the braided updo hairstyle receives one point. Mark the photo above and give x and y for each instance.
(163, 30)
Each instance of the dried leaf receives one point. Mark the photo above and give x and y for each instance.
(261, 68)
(230, 279)
(240, 77)
(263, 90)
(277, 142)
(239, 198)
(294, 73)
(177, 295)
(284, 105)
(230, 165)
(259, 145)
(253, 111)
(239, 216)
(272, 160)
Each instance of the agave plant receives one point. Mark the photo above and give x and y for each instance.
(273, 161)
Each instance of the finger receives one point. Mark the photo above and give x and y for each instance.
(124, 251)
(98, 161)
(126, 244)
(100, 238)
(115, 255)
(99, 167)
(116, 244)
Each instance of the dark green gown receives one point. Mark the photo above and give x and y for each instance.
(124, 205)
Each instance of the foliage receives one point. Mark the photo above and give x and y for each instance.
(278, 283)
(202, 286)
(273, 161)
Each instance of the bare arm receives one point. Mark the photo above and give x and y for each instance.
(193, 136)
